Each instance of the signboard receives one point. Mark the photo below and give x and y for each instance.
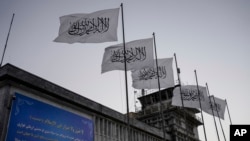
(31, 120)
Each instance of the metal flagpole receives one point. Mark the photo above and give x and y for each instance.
(7, 40)
(179, 81)
(219, 120)
(200, 105)
(211, 105)
(228, 112)
(159, 87)
(125, 71)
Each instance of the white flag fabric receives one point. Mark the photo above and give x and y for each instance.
(216, 104)
(139, 54)
(190, 96)
(96, 27)
(147, 78)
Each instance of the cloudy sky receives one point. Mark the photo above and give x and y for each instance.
(212, 37)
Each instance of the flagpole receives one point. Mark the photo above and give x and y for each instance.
(7, 39)
(159, 87)
(228, 112)
(220, 121)
(200, 105)
(125, 71)
(179, 81)
(211, 105)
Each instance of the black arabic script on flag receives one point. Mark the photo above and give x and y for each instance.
(151, 73)
(132, 55)
(192, 95)
(215, 106)
(86, 26)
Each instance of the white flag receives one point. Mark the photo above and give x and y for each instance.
(216, 104)
(139, 54)
(147, 78)
(96, 27)
(190, 96)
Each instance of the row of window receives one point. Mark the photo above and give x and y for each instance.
(108, 130)
(154, 98)
(177, 121)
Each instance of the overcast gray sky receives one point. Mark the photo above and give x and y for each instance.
(210, 36)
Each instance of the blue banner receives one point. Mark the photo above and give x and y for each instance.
(33, 120)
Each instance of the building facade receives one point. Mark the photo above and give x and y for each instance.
(180, 123)
(32, 108)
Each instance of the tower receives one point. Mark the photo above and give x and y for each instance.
(180, 123)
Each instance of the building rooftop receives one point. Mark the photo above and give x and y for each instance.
(15, 76)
